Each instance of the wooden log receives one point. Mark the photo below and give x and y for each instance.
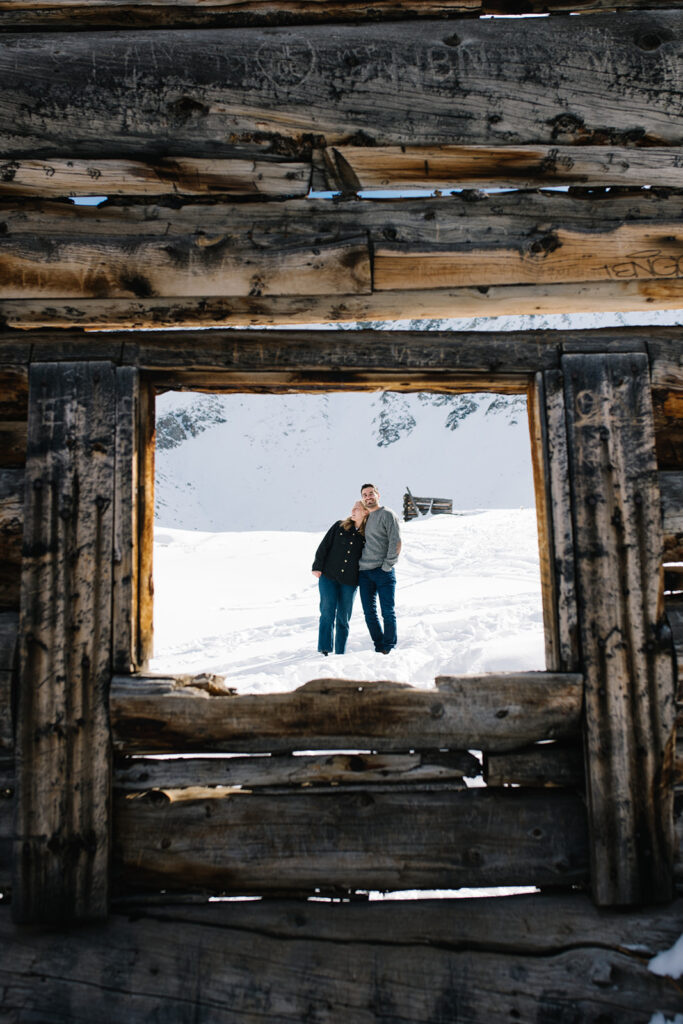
(232, 93)
(491, 712)
(560, 590)
(12, 442)
(559, 257)
(35, 14)
(544, 764)
(114, 314)
(9, 627)
(126, 539)
(13, 392)
(201, 267)
(671, 489)
(7, 802)
(309, 248)
(486, 353)
(145, 773)
(11, 525)
(145, 524)
(422, 961)
(629, 692)
(372, 839)
(63, 751)
(181, 176)
(444, 167)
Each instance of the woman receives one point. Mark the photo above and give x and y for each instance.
(336, 566)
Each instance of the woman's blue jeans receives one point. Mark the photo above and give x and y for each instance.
(336, 602)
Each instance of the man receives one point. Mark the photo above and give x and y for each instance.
(376, 577)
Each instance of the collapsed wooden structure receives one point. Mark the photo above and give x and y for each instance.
(240, 147)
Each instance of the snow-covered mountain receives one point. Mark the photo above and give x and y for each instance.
(296, 462)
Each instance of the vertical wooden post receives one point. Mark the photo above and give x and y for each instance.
(126, 580)
(629, 680)
(556, 541)
(62, 839)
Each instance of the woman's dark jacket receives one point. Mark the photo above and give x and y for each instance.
(339, 553)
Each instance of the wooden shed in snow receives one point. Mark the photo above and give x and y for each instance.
(255, 156)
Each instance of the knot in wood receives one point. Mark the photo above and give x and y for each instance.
(437, 710)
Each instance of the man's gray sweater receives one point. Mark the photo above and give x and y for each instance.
(382, 537)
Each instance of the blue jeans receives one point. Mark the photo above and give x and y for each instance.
(376, 583)
(336, 602)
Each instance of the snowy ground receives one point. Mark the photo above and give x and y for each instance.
(245, 605)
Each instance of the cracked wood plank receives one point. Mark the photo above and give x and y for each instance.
(629, 691)
(233, 93)
(527, 958)
(490, 712)
(63, 749)
(421, 837)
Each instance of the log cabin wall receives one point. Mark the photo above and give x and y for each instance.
(235, 143)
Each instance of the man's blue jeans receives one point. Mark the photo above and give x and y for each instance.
(336, 602)
(376, 583)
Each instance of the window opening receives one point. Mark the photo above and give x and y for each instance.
(246, 486)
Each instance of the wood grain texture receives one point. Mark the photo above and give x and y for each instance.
(526, 958)
(561, 531)
(443, 167)
(375, 838)
(629, 690)
(227, 93)
(491, 712)
(545, 764)
(13, 391)
(181, 176)
(63, 759)
(215, 311)
(135, 775)
(671, 490)
(126, 554)
(13, 442)
(311, 248)
(11, 526)
(9, 630)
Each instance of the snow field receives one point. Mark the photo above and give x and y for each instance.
(245, 604)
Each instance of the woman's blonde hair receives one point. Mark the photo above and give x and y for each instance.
(348, 522)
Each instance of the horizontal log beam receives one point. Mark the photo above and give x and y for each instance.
(182, 176)
(227, 93)
(491, 712)
(545, 764)
(145, 773)
(371, 839)
(444, 167)
(351, 169)
(286, 956)
(219, 13)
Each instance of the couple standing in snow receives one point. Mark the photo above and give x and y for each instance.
(359, 551)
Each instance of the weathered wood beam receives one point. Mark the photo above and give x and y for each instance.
(227, 93)
(544, 764)
(671, 489)
(13, 442)
(629, 691)
(351, 168)
(312, 248)
(491, 712)
(264, 311)
(9, 629)
(180, 176)
(77, 14)
(421, 961)
(375, 838)
(134, 775)
(11, 525)
(63, 751)
(444, 167)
